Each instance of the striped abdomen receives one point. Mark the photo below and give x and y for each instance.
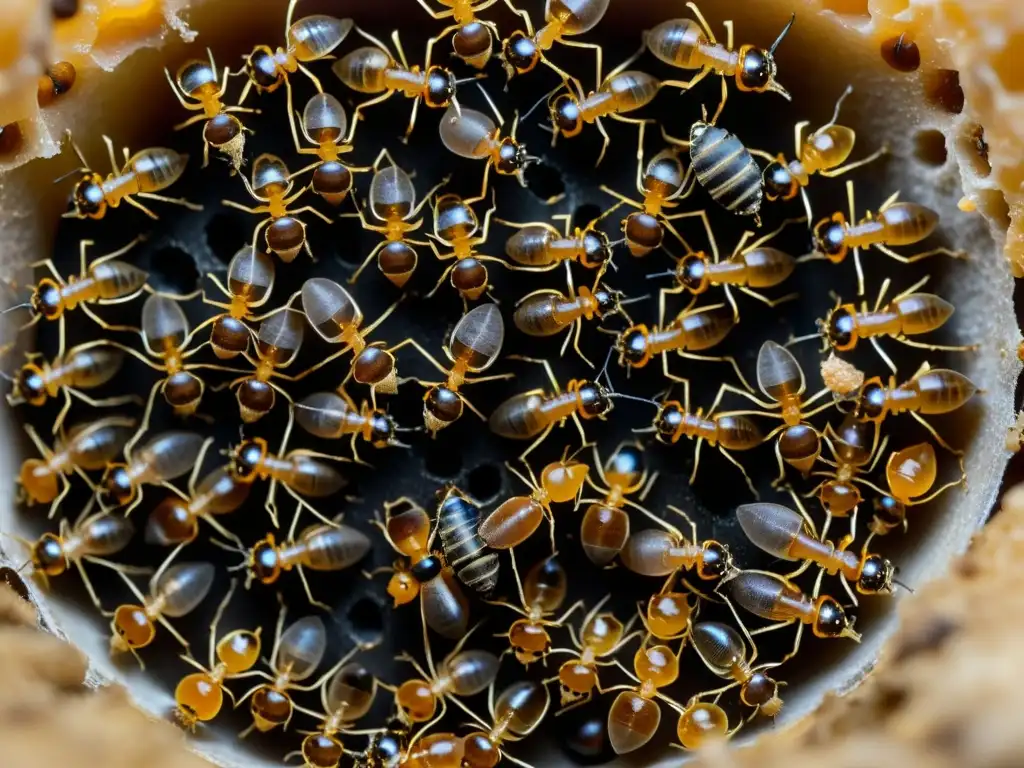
(726, 169)
(475, 565)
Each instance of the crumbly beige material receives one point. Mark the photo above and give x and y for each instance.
(841, 376)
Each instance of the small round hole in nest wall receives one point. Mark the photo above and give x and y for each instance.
(930, 147)
(366, 619)
(223, 236)
(585, 214)
(10, 138)
(173, 270)
(443, 464)
(901, 53)
(485, 482)
(943, 90)
(545, 181)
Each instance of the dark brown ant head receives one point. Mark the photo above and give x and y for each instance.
(382, 429)
(264, 563)
(692, 273)
(876, 575)
(763, 692)
(183, 391)
(830, 238)
(31, 384)
(643, 233)
(889, 514)
(779, 182)
(321, 750)
(512, 157)
(632, 347)
(668, 420)
(597, 249)
(247, 459)
(427, 569)
(715, 560)
(229, 337)
(757, 68)
(440, 88)
(118, 484)
(441, 406)
(88, 199)
(608, 301)
(566, 116)
(220, 130)
(48, 555)
(831, 620)
(46, 299)
(594, 400)
(519, 53)
(871, 403)
(332, 181)
(262, 69)
(171, 522)
(841, 328)
(473, 44)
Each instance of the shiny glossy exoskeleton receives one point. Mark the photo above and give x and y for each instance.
(174, 591)
(535, 413)
(175, 520)
(604, 528)
(635, 714)
(669, 612)
(331, 416)
(516, 519)
(474, 38)
(197, 89)
(199, 696)
(455, 227)
(601, 636)
(298, 471)
(621, 91)
(143, 174)
(930, 391)
(689, 44)
(166, 338)
(104, 281)
(86, 447)
(392, 201)
(85, 366)
(547, 312)
(895, 224)
(564, 21)
(473, 135)
(823, 152)
(473, 346)
(724, 652)
(165, 457)
(298, 651)
(426, 575)
(271, 188)
(518, 711)
(311, 38)
(692, 330)
(539, 597)
(778, 599)
(90, 539)
(540, 247)
(908, 314)
(665, 551)
(702, 723)
(910, 474)
(324, 123)
(277, 345)
(781, 379)
(322, 547)
(462, 673)
(784, 534)
(373, 69)
(661, 184)
(458, 519)
(250, 280)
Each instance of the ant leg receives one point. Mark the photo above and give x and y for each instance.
(931, 430)
(923, 255)
(725, 359)
(357, 113)
(938, 347)
(410, 342)
(136, 204)
(770, 302)
(366, 261)
(540, 439)
(620, 197)
(599, 54)
(851, 166)
(606, 140)
(739, 466)
(309, 594)
(438, 16)
(412, 120)
(175, 200)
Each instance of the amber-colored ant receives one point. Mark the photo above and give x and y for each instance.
(334, 415)
(518, 711)
(250, 279)
(175, 520)
(277, 345)
(894, 224)
(325, 124)
(165, 457)
(455, 227)
(522, 51)
(196, 88)
(910, 474)
(143, 175)
(474, 38)
(635, 714)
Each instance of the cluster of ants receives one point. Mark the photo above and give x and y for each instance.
(456, 546)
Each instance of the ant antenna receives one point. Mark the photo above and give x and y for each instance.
(904, 586)
(782, 34)
(634, 300)
(540, 101)
(494, 107)
(801, 339)
(655, 275)
(24, 305)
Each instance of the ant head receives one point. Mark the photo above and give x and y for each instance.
(597, 249)
(871, 403)
(46, 299)
(668, 420)
(118, 484)
(757, 68)
(322, 749)
(440, 88)
(565, 115)
(762, 691)
(220, 130)
(841, 328)
(831, 620)
(519, 53)
(632, 345)
(382, 429)
(262, 69)
(715, 561)
(263, 563)
(48, 555)
(876, 574)
(643, 233)
(88, 199)
(512, 157)
(247, 458)
(778, 182)
(830, 238)
(692, 273)
(595, 401)
(441, 406)
(30, 384)
(608, 301)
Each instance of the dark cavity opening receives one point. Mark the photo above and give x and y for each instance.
(172, 270)
(930, 147)
(13, 580)
(585, 214)
(901, 53)
(943, 91)
(224, 236)
(484, 482)
(443, 464)
(545, 181)
(366, 619)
